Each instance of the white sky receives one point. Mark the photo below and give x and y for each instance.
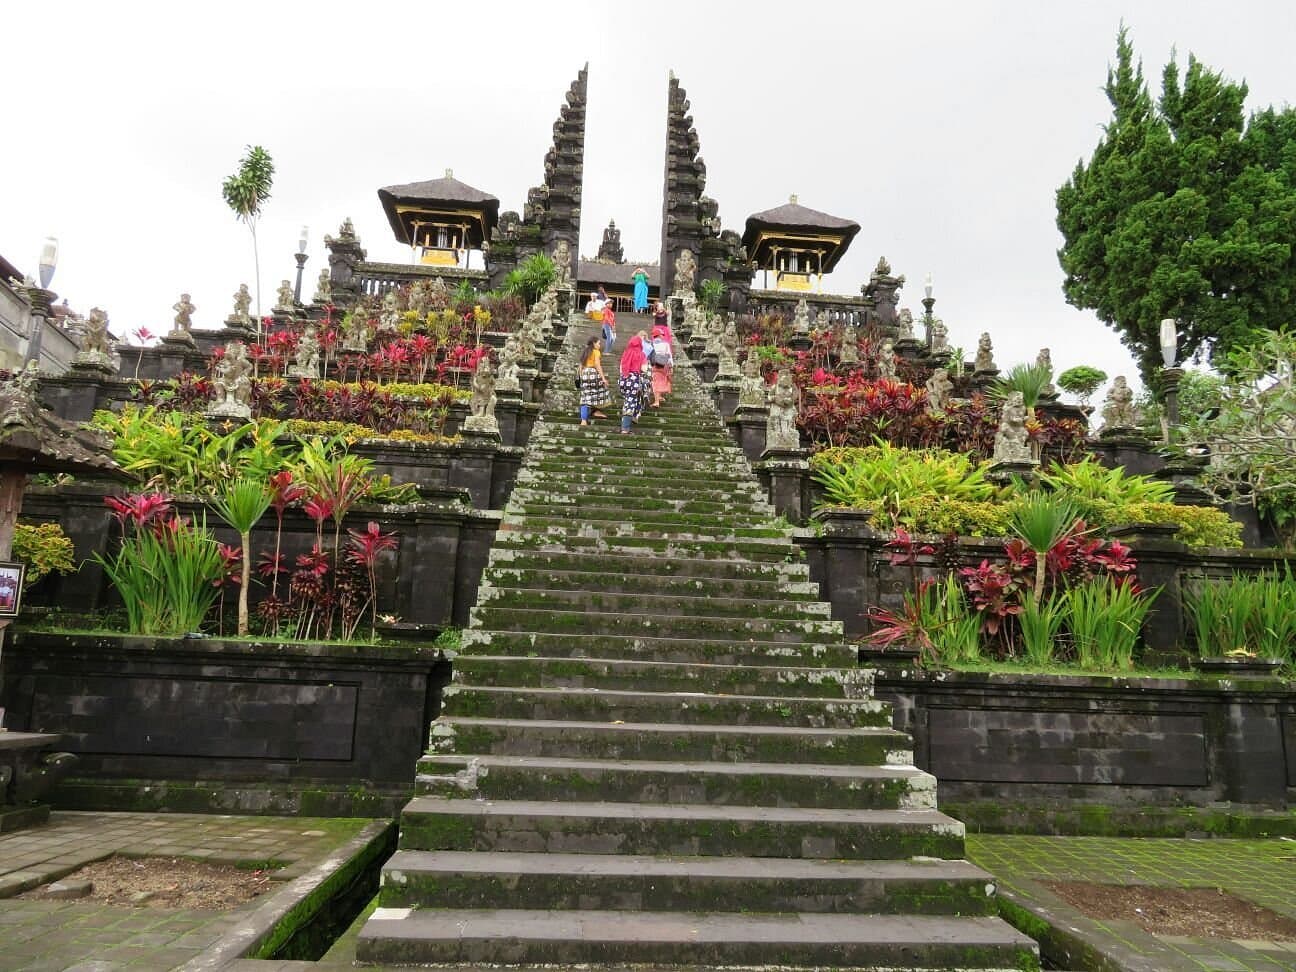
(943, 128)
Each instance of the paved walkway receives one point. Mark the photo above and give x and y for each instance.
(60, 936)
(1260, 871)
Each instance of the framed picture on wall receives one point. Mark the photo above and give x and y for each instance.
(11, 588)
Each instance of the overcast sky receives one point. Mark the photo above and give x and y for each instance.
(944, 129)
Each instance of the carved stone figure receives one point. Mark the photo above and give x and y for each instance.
(184, 309)
(780, 428)
(939, 337)
(849, 354)
(323, 288)
(886, 365)
(481, 408)
(418, 299)
(985, 354)
(562, 264)
(801, 319)
(729, 342)
(1119, 410)
(306, 360)
(526, 347)
(751, 394)
(96, 339)
(438, 295)
(355, 327)
(1011, 444)
(242, 307)
(904, 324)
(939, 389)
(232, 384)
(1045, 360)
(506, 378)
(390, 316)
(685, 271)
(284, 297)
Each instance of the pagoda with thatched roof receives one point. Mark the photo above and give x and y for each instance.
(442, 220)
(797, 243)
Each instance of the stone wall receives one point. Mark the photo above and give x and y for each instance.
(149, 715)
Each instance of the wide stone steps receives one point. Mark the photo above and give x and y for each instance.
(723, 651)
(891, 942)
(678, 565)
(619, 674)
(527, 578)
(665, 781)
(664, 741)
(558, 539)
(577, 470)
(705, 627)
(541, 826)
(685, 708)
(599, 485)
(552, 503)
(449, 879)
(695, 526)
(772, 606)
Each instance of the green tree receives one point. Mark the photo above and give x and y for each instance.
(1185, 210)
(244, 192)
(531, 277)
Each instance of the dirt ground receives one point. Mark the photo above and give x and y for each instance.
(1192, 912)
(168, 882)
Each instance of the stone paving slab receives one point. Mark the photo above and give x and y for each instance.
(85, 936)
(1261, 871)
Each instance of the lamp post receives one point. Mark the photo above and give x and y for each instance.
(41, 298)
(928, 303)
(301, 263)
(1170, 376)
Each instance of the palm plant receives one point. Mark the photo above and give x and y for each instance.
(531, 277)
(1041, 520)
(241, 505)
(1029, 379)
(244, 192)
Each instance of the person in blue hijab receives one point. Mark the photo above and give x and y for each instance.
(640, 290)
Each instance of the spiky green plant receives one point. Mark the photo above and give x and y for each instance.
(1041, 520)
(245, 191)
(1105, 618)
(1040, 626)
(166, 577)
(1029, 379)
(241, 505)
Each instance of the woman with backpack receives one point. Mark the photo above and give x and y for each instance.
(663, 364)
(592, 383)
(634, 382)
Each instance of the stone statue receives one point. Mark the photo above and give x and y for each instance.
(985, 354)
(96, 339)
(418, 299)
(242, 307)
(1045, 360)
(1119, 410)
(1011, 444)
(284, 297)
(939, 389)
(751, 394)
(323, 288)
(685, 271)
(390, 316)
(849, 354)
(184, 309)
(729, 343)
(481, 408)
(526, 346)
(347, 230)
(506, 378)
(886, 364)
(939, 337)
(232, 384)
(801, 319)
(306, 360)
(780, 428)
(904, 324)
(562, 264)
(355, 327)
(438, 295)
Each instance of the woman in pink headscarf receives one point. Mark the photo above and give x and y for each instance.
(663, 364)
(633, 384)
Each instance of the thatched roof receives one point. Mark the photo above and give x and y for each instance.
(447, 193)
(793, 220)
(34, 440)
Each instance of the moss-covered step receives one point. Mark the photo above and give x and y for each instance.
(655, 741)
(705, 627)
(609, 504)
(540, 826)
(648, 675)
(650, 545)
(682, 476)
(770, 607)
(451, 879)
(660, 781)
(632, 493)
(629, 565)
(693, 525)
(683, 708)
(521, 578)
(717, 651)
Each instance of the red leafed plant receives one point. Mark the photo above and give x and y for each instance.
(364, 546)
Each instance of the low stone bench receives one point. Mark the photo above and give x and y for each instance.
(29, 768)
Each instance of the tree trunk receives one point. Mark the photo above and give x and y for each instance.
(243, 587)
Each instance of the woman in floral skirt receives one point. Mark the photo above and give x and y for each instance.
(592, 383)
(634, 381)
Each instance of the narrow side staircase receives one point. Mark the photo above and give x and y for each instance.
(656, 749)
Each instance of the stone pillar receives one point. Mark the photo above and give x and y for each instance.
(1160, 559)
(172, 354)
(787, 473)
(1129, 449)
(707, 365)
(725, 392)
(748, 426)
(473, 466)
(508, 410)
(345, 256)
(847, 578)
(79, 392)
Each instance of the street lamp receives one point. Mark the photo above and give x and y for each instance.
(41, 297)
(928, 303)
(301, 262)
(1170, 375)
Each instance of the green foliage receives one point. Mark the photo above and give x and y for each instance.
(1200, 393)
(1041, 520)
(245, 192)
(1199, 526)
(241, 503)
(1185, 210)
(1081, 381)
(1041, 624)
(710, 294)
(44, 548)
(1029, 379)
(166, 577)
(1244, 615)
(1105, 618)
(531, 277)
(927, 490)
(953, 630)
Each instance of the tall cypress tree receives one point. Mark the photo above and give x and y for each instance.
(1185, 210)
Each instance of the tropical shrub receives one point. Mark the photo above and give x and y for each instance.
(1081, 381)
(44, 548)
(1244, 615)
(1104, 617)
(1029, 379)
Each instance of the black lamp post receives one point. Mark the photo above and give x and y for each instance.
(301, 263)
(928, 303)
(41, 298)
(1170, 376)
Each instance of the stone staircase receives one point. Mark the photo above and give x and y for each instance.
(656, 749)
